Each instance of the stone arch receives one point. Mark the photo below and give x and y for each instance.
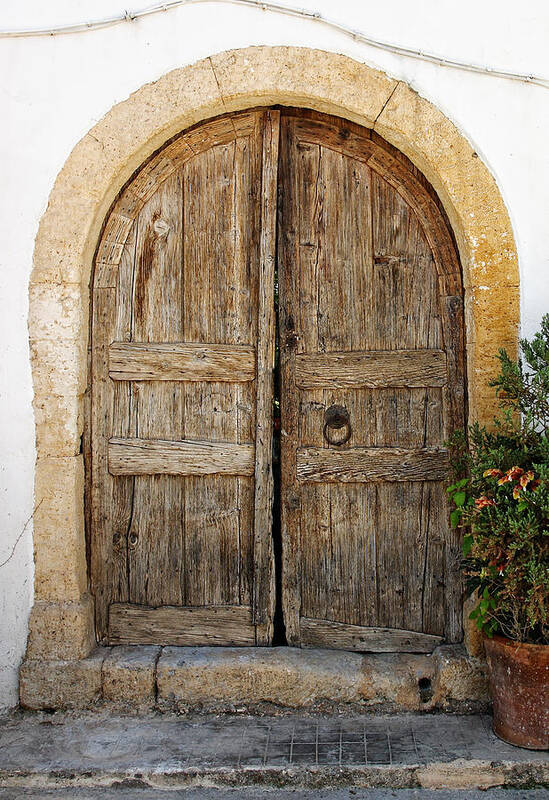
(61, 625)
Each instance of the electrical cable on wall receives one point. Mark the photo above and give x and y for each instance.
(292, 11)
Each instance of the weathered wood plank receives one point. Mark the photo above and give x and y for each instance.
(179, 625)
(373, 368)
(290, 266)
(366, 464)
(325, 633)
(220, 258)
(187, 457)
(264, 577)
(101, 482)
(181, 361)
(155, 537)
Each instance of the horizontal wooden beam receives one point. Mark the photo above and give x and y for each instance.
(187, 457)
(324, 633)
(371, 464)
(181, 361)
(182, 626)
(371, 368)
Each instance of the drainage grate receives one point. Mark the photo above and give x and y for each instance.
(335, 743)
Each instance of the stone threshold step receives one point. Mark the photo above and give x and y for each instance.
(256, 679)
(101, 749)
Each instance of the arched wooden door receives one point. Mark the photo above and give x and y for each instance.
(372, 385)
(180, 485)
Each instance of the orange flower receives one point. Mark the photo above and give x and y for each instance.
(526, 478)
(535, 484)
(512, 474)
(517, 491)
(492, 473)
(482, 502)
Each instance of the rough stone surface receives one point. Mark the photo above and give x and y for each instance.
(297, 751)
(129, 677)
(61, 684)
(231, 678)
(460, 679)
(59, 424)
(61, 631)
(227, 679)
(105, 158)
(59, 542)
(301, 77)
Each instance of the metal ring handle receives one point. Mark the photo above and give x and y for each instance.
(335, 418)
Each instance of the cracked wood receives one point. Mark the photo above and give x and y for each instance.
(371, 319)
(181, 361)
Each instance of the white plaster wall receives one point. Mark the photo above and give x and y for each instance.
(54, 89)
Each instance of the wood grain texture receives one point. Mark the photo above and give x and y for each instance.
(177, 625)
(364, 254)
(264, 577)
(183, 290)
(158, 457)
(181, 361)
(177, 306)
(368, 464)
(373, 369)
(319, 632)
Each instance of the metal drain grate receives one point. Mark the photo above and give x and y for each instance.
(345, 743)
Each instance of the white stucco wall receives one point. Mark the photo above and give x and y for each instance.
(55, 89)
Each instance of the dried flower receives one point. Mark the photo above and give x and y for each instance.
(526, 478)
(492, 473)
(482, 502)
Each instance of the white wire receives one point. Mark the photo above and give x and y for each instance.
(292, 11)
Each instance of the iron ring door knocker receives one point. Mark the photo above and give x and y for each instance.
(336, 418)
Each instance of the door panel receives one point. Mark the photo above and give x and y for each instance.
(177, 359)
(370, 335)
(366, 540)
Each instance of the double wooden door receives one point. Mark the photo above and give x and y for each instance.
(260, 242)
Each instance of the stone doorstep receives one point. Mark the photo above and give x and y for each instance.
(104, 749)
(227, 679)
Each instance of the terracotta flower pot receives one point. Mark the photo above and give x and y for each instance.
(519, 682)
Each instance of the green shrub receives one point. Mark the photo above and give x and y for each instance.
(501, 499)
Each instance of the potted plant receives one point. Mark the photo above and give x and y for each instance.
(501, 499)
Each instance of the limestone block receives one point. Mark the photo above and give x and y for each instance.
(225, 678)
(228, 678)
(393, 679)
(129, 677)
(61, 684)
(492, 315)
(63, 631)
(299, 76)
(59, 365)
(464, 775)
(58, 311)
(59, 540)
(59, 424)
(460, 679)
(138, 126)
(464, 184)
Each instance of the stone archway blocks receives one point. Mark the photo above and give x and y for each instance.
(86, 188)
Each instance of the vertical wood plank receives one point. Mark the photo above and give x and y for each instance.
(263, 605)
(290, 263)
(155, 536)
(104, 311)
